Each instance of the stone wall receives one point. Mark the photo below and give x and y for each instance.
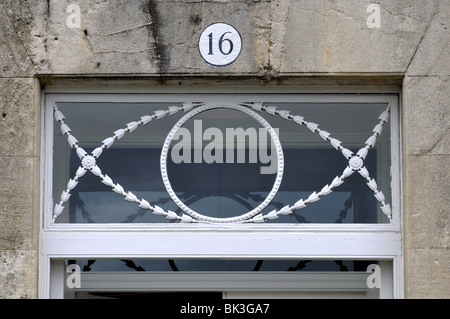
(426, 164)
(322, 43)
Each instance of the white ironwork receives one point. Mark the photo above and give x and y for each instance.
(355, 163)
(247, 217)
(88, 161)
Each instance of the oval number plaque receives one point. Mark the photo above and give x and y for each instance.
(220, 44)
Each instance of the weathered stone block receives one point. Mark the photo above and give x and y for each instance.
(427, 273)
(333, 36)
(426, 115)
(18, 274)
(426, 201)
(279, 37)
(143, 37)
(16, 227)
(29, 22)
(19, 210)
(427, 91)
(19, 117)
(433, 54)
(14, 59)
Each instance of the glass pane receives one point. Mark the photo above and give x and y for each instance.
(216, 163)
(220, 265)
(124, 278)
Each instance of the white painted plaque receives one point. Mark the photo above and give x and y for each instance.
(220, 44)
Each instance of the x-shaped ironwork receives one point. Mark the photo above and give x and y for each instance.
(355, 162)
(89, 162)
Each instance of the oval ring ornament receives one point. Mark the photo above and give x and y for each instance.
(257, 117)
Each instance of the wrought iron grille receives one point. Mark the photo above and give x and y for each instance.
(355, 163)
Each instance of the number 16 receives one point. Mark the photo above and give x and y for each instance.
(220, 44)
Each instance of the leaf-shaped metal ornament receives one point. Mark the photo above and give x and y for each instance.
(384, 116)
(272, 110)
(118, 189)
(173, 109)
(186, 219)
(144, 204)
(379, 196)
(97, 152)
(71, 184)
(362, 152)
(146, 118)
(314, 197)
(108, 142)
(284, 114)
(81, 152)
(171, 215)
(107, 181)
(286, 210)
(119, 133)
(58, 210)
(364, 172)
(325, 190)
(59, 116)
(372, 184)
(132, 126)
(65, 196)
(80, 172)
(272, 215)
(335, 143)
(96, 171)
(65, 129)
(258, 219)
(347, 171)
(188, 106)
(131, 197)
(72, 141)
(386, 209)
(312, 126)
(378, 129)
(256, 106)
(299, 119)
(347, 153)
(160, 113)
(299, 204)
(324, 135)
(337, 181)
(371, 141)
(158, 210)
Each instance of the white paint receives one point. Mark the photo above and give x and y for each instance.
(220, 44)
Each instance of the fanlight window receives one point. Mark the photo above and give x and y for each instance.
(221, 162)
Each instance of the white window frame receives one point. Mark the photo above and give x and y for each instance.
(232, 284)
(381, 242)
